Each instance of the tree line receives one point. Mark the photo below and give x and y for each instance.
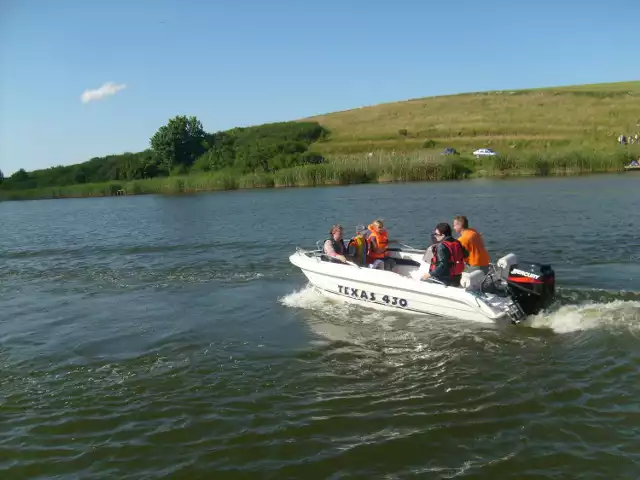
(181, 147)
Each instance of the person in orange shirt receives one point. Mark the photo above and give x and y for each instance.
(472, 241)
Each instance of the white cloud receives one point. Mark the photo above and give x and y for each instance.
(106, 90)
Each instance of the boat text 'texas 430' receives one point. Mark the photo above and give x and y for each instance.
(510, 292)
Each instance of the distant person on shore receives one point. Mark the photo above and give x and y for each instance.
(447, 262)
(334, 245)
(378, 243)
(472, 241)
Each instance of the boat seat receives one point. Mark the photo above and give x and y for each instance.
(472, 280)
(417, 273)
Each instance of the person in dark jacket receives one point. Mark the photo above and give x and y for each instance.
(447, 263)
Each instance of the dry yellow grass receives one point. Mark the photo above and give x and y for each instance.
(581, 116)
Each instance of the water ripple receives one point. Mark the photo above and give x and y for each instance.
(180, 343)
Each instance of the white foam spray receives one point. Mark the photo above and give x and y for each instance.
(618, 314)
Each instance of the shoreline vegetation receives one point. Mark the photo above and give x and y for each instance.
(346, 170)
(546, 132)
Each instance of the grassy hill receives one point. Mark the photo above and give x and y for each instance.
(560, 118)
(546, 131)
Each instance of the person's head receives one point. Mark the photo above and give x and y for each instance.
(378, 225)
(442, 230)
(360, 230)
(336, 231)
(460, 223)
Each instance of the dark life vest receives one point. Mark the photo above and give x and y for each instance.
(456, 258)
(338, 246)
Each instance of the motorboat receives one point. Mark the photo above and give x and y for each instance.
(632, 167)
(510, 293)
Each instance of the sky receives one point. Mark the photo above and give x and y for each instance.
(81, 79)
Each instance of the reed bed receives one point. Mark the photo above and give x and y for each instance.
(346, 169)
(547, 163)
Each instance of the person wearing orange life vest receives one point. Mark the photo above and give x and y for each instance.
(472, 241)
(378, 242)
(447, 263)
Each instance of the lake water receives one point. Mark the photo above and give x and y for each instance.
(169, 337)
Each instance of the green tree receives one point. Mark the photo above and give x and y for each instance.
(1, 176)
(19, 180)
(263, 148)
(179, 142)
(20, 176)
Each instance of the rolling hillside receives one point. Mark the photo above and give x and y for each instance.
(572, 117)
(548, 131)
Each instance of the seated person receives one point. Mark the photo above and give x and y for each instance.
(334, 245)
(357, 247)
(377, 247)
(473, 243)
(447, 263)
(425, 261)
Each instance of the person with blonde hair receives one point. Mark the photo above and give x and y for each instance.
(378, 243)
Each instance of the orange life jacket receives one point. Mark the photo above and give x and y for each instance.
(359, 246)
(382, 241)
(456, 258)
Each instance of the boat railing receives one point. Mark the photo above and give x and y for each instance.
(320, 254)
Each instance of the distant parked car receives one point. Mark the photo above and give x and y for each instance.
(449, 151)
(484, 152)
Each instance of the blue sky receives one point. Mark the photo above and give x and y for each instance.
(234, 63)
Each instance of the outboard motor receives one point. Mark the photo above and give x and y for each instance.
(532, 286)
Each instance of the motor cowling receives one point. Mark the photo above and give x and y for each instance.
(532, 286)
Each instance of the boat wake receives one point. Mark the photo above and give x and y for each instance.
(614, 315)
(308, 298)
(371, 335)
(585, 314)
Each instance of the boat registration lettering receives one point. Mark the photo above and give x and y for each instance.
(370, 296)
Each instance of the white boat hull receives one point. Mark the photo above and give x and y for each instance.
(387, 290)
